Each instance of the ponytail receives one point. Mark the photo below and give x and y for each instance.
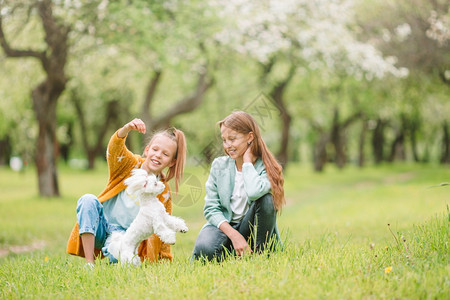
(275, 174)
(177, 169)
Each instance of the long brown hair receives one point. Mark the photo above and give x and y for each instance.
(243, 122)
(177, 169)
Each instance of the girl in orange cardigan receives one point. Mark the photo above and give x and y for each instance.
(114, 209)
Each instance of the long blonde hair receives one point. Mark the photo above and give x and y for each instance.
(243, 122)
(175, 171)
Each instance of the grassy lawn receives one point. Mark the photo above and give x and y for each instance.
(337, 241)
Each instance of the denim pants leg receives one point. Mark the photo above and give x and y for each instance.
(260, 219)
(259, 225)
(91, 219)
(211, 243)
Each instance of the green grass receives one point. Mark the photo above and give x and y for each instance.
(337, 241)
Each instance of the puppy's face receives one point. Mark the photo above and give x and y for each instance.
(153, 185)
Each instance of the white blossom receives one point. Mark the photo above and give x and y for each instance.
(318, 32)
(403, 31)
(439, 27)
(4, 11)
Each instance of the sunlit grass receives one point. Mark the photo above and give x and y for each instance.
(335, 226)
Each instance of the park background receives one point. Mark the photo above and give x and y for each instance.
(351, 96)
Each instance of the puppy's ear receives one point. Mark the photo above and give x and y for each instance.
(136, 182)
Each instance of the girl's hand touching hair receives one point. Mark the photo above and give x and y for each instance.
(135, 124)
(248, 155)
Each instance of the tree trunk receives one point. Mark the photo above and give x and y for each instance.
(45, 95)
(398, 145)
(282, 155)
(278, 96)
(397, 148)
(64, 148)
(445, 156)
(362, 142)
(378, 141)
(112, 113)
(337, 136)
(45, 98)
(91, 155)
(413, 128)
(320, 152)
(5, 151)
(337, 141)
(286, 125)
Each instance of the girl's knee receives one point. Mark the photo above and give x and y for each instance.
(266, 203)
(203, 250)
(87, 201)
(207, 246)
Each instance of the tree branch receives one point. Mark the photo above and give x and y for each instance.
(279, 88)
(150, 93)
(351, 119)
(187, 104)
(10, 52)
(81, 120)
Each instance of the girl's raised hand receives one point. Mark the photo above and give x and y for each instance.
(248, 155)
(135, 124)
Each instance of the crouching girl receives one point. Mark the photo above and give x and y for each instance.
(244, 191)
(113, 209)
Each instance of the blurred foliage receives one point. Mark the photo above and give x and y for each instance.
(117, 46)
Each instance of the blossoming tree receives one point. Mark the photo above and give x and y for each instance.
(301, 35)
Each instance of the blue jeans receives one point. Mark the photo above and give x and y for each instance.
(91, 219)
(258, 226)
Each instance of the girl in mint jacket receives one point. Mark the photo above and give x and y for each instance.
(244, 191)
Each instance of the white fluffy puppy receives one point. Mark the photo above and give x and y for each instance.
(152, 218)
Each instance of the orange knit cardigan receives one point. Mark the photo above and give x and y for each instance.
(121, 162)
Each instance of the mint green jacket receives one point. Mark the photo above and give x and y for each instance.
(220, 185)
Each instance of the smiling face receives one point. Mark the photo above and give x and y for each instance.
(235, 143)
(160, 153)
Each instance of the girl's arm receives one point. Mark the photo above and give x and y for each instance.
(213, 209)
(118, 156)
(136, 124)
(239, 243)
(256, 184)
(213, 212)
